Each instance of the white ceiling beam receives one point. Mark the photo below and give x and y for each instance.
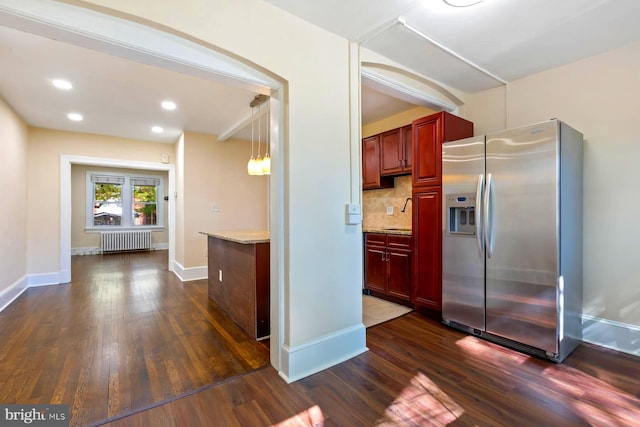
(449, 51)
(246, 121)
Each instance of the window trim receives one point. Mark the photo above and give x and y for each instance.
(127, 202)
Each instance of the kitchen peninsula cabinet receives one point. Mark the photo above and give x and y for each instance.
(388, 266)
(429, 133)
(371, 178)
(238, 264)
(395, 151)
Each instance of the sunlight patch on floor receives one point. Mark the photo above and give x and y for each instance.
(422, 401)
(595, 401)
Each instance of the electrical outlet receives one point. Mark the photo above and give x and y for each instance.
(389, 210)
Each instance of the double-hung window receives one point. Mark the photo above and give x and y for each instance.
(123, 201)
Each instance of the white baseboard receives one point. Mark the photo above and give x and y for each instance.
(191, 273)
(45, 279)
(611, 334)
(14, 290)
(91, 250)
(94, 250)
(311, 357)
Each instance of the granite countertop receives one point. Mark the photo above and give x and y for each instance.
(245, 237)
(390, 230)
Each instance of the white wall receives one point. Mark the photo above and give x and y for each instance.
(599, 96)
(323, 257)
(216, 173)
(13, 227)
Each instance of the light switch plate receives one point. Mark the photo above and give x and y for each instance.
(353, 214)
(389, 210)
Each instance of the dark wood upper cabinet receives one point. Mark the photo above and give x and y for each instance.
(429, 133)
(371, 178)
(395, 151)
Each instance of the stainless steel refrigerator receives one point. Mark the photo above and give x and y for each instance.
(512, 238)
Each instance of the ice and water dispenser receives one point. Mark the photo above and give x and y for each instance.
(461, 214)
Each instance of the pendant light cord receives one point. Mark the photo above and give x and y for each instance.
(252, 110)
(259, 128)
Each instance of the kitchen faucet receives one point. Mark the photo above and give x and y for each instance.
(405, 203)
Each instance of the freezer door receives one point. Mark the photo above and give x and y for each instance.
(522, 235)
(462, 239)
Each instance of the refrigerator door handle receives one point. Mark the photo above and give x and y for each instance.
(488, 220)
(479, 216)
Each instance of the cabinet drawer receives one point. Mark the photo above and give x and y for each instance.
(396, 241)
(376, 239)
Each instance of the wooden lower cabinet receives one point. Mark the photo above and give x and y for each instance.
(427, 248)
(388, 266)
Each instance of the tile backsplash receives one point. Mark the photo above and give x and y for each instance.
(375, 202)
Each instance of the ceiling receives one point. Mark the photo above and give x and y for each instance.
(493, 41)
(509, 39)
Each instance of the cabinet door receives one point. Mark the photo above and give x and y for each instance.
(375, 268)
(407, 135)
(370, 162)
(400, 267)
(427, 249)
(427, 151)
(429, 133)
(371, 165)
(391, 152)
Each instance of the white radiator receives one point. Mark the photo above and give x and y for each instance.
(118, 241)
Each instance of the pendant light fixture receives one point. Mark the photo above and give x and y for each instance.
(258, 165)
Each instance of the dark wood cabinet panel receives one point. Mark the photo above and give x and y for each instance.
(391, 152)
(371, 178)
(399, 267)
(376, 270)
(388, 267)
(427, 248)
(428, 135)
(395, 151)
(244, 292)
(407, 146)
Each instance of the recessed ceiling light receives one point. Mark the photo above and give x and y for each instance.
(169, 105)
(462, 3)
(157, 129)
(75, 117)
(62, 84)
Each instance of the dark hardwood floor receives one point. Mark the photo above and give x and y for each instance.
(421, 373)
(123, 336)
(126, 336)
